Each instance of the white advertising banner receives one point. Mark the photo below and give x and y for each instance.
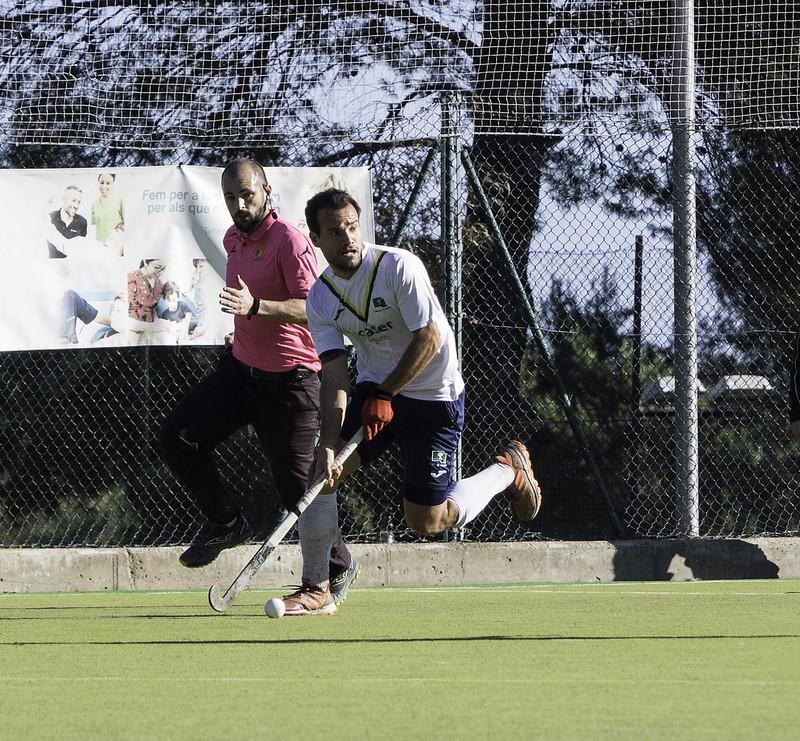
(78, 242)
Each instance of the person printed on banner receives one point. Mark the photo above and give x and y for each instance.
(65, 223)
(179, 311)
(108, 214)
(268, 378)
(145, 289)
(408, 390)
(76, 308)
(117, 321)
(198, 293)
(144, 292)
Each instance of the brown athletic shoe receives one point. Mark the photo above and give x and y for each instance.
(309, 600)
(524, 494)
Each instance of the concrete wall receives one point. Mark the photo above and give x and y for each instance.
(90, 569)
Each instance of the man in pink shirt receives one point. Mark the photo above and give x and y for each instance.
(269, 380)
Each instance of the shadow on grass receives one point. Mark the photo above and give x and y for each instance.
(443, 639)
(73, 618)
(50, 608)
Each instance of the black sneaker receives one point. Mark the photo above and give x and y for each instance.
(213, 539)
(343, 581)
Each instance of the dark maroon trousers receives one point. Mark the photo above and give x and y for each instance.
(284, 411)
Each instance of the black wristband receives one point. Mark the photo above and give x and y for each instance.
(254, 308)
(379, 393)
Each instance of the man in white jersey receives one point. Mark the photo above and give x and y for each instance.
(408, 390)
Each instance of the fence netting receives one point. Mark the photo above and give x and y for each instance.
(566, 110)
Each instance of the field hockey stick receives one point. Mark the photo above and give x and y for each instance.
(221, 602)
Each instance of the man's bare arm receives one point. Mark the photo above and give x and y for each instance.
(333, 399)
(424, 345)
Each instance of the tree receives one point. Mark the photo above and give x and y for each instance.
(550, 88)
(613, 83)
(593, 352)
(749, 224)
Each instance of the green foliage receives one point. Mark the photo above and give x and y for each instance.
(104, 517)
(80, 438)
(749, 223)
(593, 355)
(746, 459)
(358, 511)
(613, 88)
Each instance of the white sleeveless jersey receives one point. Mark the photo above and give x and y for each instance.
(378, 309)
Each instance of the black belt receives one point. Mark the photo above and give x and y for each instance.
(298, 372)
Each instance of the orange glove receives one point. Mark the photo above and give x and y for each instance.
(376, 413)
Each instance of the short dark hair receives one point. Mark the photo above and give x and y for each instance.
(244, 162)
(332, 198)
(170, 287)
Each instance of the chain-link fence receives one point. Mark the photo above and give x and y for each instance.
(554, 155)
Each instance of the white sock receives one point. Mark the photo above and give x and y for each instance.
(471, 495)
(317, 528)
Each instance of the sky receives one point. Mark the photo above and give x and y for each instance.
(575, 244)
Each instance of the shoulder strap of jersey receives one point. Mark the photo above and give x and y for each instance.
(361, 308)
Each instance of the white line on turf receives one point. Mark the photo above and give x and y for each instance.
(604, 593)
(98, 593)
(416, 680)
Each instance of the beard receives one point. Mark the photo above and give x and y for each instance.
(349, 263)
(248, 223)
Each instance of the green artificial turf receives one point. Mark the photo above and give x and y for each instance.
(699, 660)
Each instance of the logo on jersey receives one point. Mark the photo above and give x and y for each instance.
(379, 303)
(374, 329)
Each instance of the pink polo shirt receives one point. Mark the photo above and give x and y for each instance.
(277, 262)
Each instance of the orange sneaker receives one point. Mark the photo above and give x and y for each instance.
(309, 600)
(524, 494)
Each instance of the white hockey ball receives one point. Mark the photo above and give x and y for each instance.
(274, 608)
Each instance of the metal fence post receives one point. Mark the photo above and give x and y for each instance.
(453, 201)
(635, 472)
(682, 120)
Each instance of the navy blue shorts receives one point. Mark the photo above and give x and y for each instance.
(427, 433)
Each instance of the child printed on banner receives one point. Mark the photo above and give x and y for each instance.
(173, 307)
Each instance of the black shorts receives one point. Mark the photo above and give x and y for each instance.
(427, 433)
